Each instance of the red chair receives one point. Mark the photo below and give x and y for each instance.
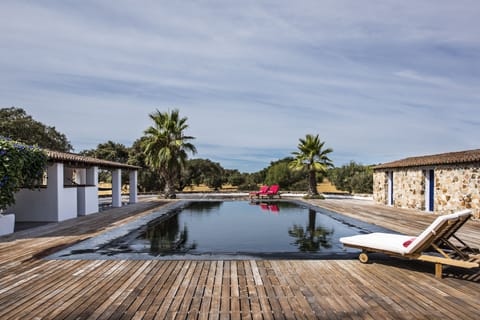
(263, 190)
(272, 192)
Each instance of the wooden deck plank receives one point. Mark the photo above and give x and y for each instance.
(146, 292)
(32, 293)
(31, 287)
(303, 308)
(269, 280)
(261, 292)
(225, 293)
(176, 290)
(243, 290)
(235, 312)
(255, 308)
(183, 300)
(193, 309)
(207, 293)
(97, 294)
(137, 295)
(50, 307)
(160, 297)
(120, 295)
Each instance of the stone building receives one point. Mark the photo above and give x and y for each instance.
(441, 183)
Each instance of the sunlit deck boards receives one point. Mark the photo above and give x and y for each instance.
(231, 290)
(331, 289)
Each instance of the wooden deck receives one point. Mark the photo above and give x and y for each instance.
(33, 288)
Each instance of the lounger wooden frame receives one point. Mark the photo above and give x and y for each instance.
(436, 248)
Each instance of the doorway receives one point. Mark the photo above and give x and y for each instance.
(390, 188)
(430, 190)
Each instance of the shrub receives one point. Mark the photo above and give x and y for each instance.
(21, 166)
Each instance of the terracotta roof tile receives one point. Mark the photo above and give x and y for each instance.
(469, 156)
(80, 160)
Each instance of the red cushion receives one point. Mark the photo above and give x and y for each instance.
(408, 242)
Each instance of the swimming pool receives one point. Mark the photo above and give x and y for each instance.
(226, 230)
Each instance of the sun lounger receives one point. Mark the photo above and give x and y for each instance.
(434, 244)
(263, 190)
(272, 192)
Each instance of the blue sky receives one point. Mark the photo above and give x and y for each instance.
(377, 80)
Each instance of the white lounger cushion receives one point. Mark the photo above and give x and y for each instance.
(434, 227)
(379, 241)
(394, 242)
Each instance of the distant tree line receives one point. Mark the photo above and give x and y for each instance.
(16, 124)
(165, 140)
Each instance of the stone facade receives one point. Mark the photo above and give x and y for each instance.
(409, 189)
(380, 187)
(456, 187)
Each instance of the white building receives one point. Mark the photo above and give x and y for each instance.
(71, 189)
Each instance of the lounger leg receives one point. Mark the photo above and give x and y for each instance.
(438, 270)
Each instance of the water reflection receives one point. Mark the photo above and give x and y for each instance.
(311, 238)
(166, 236)
(269, 207)
(234, 227)
(204, 207)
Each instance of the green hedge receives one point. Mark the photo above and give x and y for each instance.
(21, 166)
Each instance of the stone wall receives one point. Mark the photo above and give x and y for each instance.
(409, 189)
(380, 187)
(456, 188)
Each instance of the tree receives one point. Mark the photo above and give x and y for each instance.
(235, 178)
(21, 166)
(311, 158)
(110, 151)
(279, 173)
(352, 177)
(16, 124)
(202, 171)
(149, 179)
(363, 181)
(166, 147)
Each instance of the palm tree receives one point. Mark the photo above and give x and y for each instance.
(311, 158)
(166, 147)
(311, 238)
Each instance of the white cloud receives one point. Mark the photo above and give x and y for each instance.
(413, 75)
(377, 81)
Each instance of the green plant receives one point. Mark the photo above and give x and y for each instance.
(311, 158)
(166, 147)
(21, 166)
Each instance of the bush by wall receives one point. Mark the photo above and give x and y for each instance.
(21, 166)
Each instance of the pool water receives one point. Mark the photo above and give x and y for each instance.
(234, 229)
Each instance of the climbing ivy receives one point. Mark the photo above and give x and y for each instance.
(21, 166)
